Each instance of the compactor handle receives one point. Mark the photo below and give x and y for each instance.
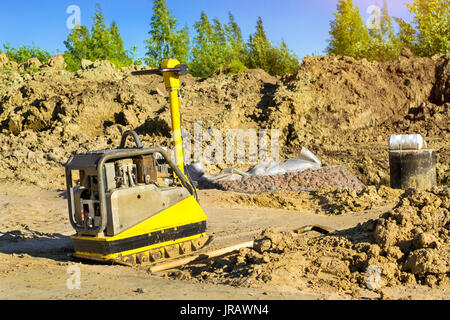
(135, 136)
(180, 70)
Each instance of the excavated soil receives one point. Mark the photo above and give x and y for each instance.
(341, 109)
(407, 245)
(321, 201)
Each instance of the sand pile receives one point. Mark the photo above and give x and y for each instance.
(407, 245)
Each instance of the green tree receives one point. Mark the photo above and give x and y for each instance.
(100, 43)
(286, 61)
(217, 47)
(430, 32)
(77, 47)
(234, 33)
(259, 48)
(166, 40)
(221, 47)
(272, 59)
(384, 44)
(120, 56)
(210, 47)
(386, 27)
(349, 36)
(406, 33)
(238, 52)
(21, 54)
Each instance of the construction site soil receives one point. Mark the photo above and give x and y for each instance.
(341, 109)
(409, 244)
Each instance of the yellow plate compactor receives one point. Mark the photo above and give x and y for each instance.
(135, 205)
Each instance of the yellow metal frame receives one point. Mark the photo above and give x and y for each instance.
(170, 218)
(172, 83)
(115, 256)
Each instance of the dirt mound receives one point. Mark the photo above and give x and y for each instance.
(409, 244)
(341, 109)
(358, 104)
(340, 201)
(5, 63)
(362, 94)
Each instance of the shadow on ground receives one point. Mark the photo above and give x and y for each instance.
(37, 244)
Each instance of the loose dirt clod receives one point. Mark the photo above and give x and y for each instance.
(322, 200)
(407, 245)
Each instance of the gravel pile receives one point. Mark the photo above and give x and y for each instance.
(335, 177)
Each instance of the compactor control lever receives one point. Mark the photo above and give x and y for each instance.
(179, 70)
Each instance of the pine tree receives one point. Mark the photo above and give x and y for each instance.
(238, 48)
(77, 47)
(286, 61)
(217, 47)
(387, 29)
(100, 38)
(100, 43)
(259, 48)
(166, 40)
(221, 46)
(349, 37)
(235, 34)
(272, 59)
(205, 60)
(119, 56)
(384, 45)
(406, 34)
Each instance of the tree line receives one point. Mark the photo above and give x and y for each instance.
(216, 46)
(427, 35)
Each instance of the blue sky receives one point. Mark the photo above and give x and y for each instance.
(302, 24)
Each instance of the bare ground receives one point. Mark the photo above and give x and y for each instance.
(35, 254)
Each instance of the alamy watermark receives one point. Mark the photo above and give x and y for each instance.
(373, 281)
(74, 280)
(74, 20)
(230, 146)
(374, 20)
